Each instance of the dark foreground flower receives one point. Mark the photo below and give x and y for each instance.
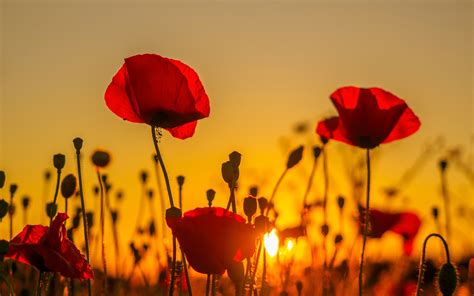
(405, 224)
(159, 91)
(48, 249)
(213, 238)
(368, 117)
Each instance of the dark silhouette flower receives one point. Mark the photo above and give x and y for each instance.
(213, 238)
(368, 117)
(48, 249)
(405, 224)
(158, 91)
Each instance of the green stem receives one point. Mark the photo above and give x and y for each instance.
(84, 216)
(422, 260)
(366, 226)
(56, 192)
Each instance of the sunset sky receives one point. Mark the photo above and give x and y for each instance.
(265, 65)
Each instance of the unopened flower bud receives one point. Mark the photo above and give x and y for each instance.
(227, 171)
(210, 196)
(68, 186)
(180, 180)
(76, 221)
(25, 202)
(114, 215)
(59, 160)
(3, 208)
(90, 219)
(295, 157)
(443, 164)
(119, 195)
(250, 206)
(13, 189)
(338, 239)
(100, 158)
(447, 279)
(435, 212)
(262, 204)
(235, 158)
(173, 212)
(253, 191)
(143, 176)
(77, 144)
(51, 209)
(316, 152)
(96, 190)
(324, 229)
(340, 202)
(2, 179)
(152, 229)
(150, 193)
(324, 140)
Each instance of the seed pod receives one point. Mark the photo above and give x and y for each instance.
(250, 206)
(235, 158)
(77, 143)
(443, 164)
(25, 202)
(13, 189)
(47, 175)
(316, 152)
(295, 157)
(2, 179)
(210, 196)
(100, 158)
(59, 160)
(173, 212)
(68, 186)
(262, 204)
(447, 279)
(96, 189)
(4, 246)
(119, 195)
(51, 209)
(340, 202)
(435, 212)
(143, 176)
(324, 140)
(227, 171)
(262, 224)
(324, 229)
(114, 215)
(338, 239)
(3, 208)
(90, 219)
(76, 221)
(253, 191)
(180, 180)
(152, 228)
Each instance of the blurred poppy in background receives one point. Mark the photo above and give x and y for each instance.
(368, 117)
(159, 91)
(213, 238)
(405, 224)
(48, 249)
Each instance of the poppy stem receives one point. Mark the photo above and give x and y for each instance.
(160, 193)
(173, 268)
(39, 287)
(444, 190)
(102, 229)
(163, 168)
(422, 260)
(366, 226)
(326, 182)
(84, 217)
(277, 185)
(310, 182)
(186, 274)
(56, 192)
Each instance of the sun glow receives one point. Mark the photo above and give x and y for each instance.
(271, 242)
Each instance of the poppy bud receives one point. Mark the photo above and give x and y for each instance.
(180, 180)
(261, 224)
(13, 189)
(262, 204)
(227, 171)
(324, 140)
(150, 194)
(68, 186)
(443, 164)
(3, 208)
(324, 229)
(100, 158)
(299, 287)
(108, 187)
(76, 221)
(25, 202)
(338, 239)
(90, 219)
(250, 206)
(435, 212)
(253, 191)
(104, 178)
(143, 176)
(210, 196)
(173, 212)
(2, 179)
(235, 271)
(340, 202)
(59, 160)
(295, 157)
(235, 158)
(119, 195)
(114, 215)
(447, 279)
(51, 209)
(316, 152)
(96, 190)
(145, 247)
(47, 175)
(77, 143)
(152, 229)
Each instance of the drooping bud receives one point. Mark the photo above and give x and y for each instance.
(295, 157)
(100, 158)
(77, 143)
(59, 160)
(443, 164)
(235, 158)
(143, 176)
(210, 196)
(250, 206)
(2, 179)
(25, 202)
(13, 189)
(316, 152)
(3, 208)
(253, 191)
(51, 209)
(447, 279)
(68, 186)
(180, 180)
(262, 204)
(340, 202)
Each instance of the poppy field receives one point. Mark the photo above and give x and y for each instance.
(342, 207)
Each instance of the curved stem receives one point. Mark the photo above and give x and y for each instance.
(102, 229)
(277, 185)
(84, 216)
(422, 260)
(310, 182)
(56, 192)
(366, 224)
(163, 168)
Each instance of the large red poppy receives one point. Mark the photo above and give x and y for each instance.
(48, 249)
(158, 91)
(368, 117)
(213, 238)
(405, 224)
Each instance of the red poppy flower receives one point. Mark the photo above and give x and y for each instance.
(405, 224)
(213, 238)
(368, 117)
(48, 249)
(158, 91)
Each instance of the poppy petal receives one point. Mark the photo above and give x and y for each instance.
(407, 125)
(332, 128)
(183, 131)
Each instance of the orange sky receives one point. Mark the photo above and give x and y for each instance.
(265, 66)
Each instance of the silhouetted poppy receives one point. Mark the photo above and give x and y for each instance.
(213, 238)
(48, 249)
(405, 224)
(368, 117)
(158, 91)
